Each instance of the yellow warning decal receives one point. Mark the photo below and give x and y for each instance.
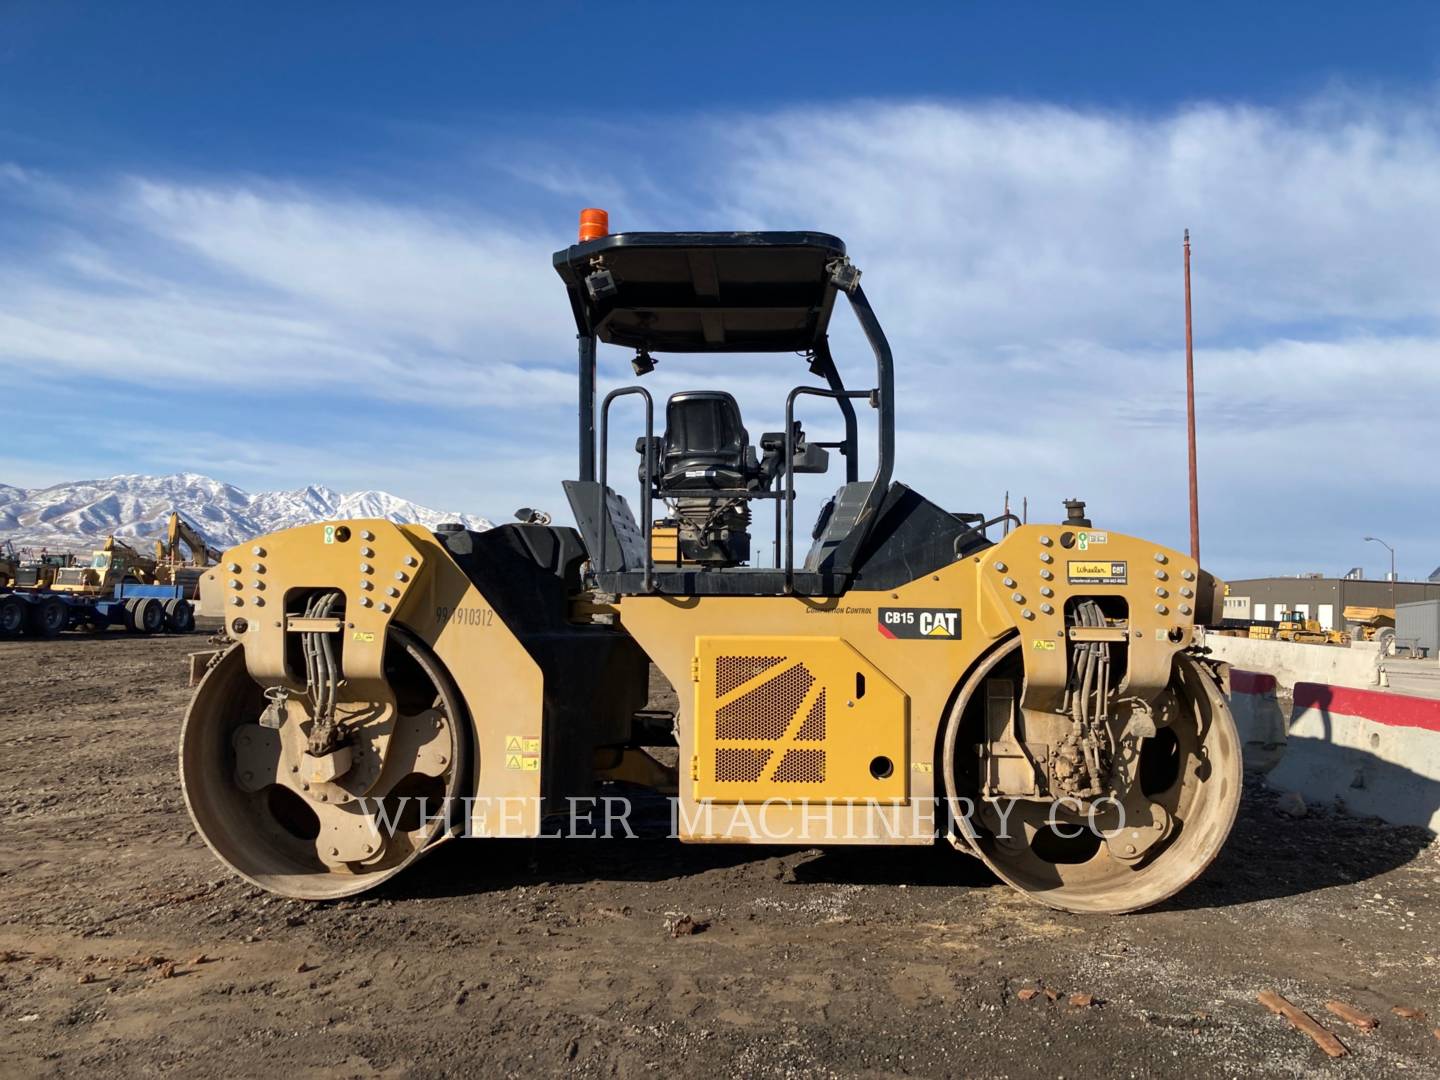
(522, 753)
(362, 635)
(1043, 644)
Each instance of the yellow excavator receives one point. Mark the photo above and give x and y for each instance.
(172, 565)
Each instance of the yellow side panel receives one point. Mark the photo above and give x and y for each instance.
(665, 544)
(796, 718)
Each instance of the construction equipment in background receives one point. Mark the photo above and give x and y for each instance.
(181, 558)
(1037, 700)
(1300, 628)
(116, 563)
(113, 563)
(141, 608)
(118, 586)
(39, 571)
(9, 563)
(182, 537)
(1369, 623)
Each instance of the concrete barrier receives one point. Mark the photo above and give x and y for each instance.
(1258, 719)
(1379, 753)
(1292, 663)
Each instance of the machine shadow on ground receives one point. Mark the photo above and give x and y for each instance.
(1269, 857)
(463, 867)
(1373, 776)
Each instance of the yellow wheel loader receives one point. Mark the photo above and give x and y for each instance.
(1035, 701)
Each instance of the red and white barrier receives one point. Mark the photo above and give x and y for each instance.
(1377, 752)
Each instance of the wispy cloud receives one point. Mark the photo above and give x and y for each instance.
(1024, 257)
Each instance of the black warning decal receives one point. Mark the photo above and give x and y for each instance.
(933, 624)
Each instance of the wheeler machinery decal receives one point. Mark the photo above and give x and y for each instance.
(1096, 573)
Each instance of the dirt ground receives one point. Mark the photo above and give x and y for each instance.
(128, 950)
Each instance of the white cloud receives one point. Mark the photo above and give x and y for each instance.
(1011, 223)
(1026, 263)
(443, 280)
(1025, 260)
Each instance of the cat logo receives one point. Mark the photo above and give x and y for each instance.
(941, 624)
(938, 623)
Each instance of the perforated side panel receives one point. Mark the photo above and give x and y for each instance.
(801, 767)
(740, 764)
(766, 711)
(814, 726)
(780, 717)
(733, 671)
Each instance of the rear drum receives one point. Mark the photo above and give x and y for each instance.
(247, 790)
(1187, 787)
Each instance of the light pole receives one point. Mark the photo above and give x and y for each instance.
(1190, 412)
(1390, 549)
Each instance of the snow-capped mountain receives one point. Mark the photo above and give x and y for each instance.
(76, 515)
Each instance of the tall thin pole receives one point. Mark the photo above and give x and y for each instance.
(1393, 578)
(1190, 411)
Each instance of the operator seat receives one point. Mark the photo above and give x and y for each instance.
(705, 446)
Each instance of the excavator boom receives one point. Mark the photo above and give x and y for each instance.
(180, 532)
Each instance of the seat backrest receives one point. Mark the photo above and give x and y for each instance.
(705, 443)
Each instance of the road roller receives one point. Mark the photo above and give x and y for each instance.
(1031, 695)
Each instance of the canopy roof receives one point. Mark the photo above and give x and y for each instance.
(704, 291)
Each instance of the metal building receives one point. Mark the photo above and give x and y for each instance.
(1321, 598)
(1418, 626)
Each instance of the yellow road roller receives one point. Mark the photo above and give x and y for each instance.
(1032, 696)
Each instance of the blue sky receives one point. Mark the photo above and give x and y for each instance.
(283, 248)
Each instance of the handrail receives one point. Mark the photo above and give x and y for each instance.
(801, 391)
(971, 530)
(587, 406)
(884, 400)
(849, 446)
(602, 517)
